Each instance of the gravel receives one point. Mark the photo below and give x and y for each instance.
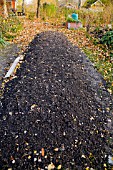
(56, 112)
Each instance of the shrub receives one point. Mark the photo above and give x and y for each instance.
(108, 39)
(48, 10)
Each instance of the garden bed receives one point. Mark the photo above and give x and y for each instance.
(56, 112)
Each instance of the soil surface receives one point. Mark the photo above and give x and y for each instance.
(56, 113)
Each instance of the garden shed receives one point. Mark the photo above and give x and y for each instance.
(97, 6)
(11, 5)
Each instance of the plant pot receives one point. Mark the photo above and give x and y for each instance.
(74, 25)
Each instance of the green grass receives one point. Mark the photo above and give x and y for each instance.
(103, 65)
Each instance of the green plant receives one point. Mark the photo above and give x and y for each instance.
(95, 41)
(48, 10)
(9, 36)
(70, 20)
(2, 41)
(9, 28)
(107, 39)
(111, 54)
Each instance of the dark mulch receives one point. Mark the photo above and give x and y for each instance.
(57, 102)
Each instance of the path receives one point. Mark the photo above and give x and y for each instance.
(7, 56)
(56, 113)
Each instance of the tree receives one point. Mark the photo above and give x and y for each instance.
(4, 8)
(38, 8)
(23, 11)
(79, 4)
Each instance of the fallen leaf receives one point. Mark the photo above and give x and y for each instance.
(42, 151)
